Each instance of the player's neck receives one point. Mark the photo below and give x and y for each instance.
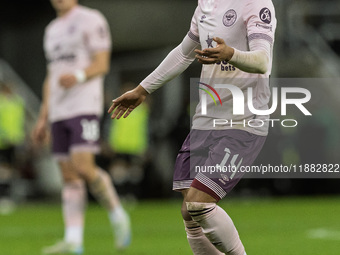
(64, 12)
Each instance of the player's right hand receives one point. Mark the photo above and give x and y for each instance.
(67, 81)
(40, 133)
(126, 103)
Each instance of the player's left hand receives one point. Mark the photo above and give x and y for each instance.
(222, 52)
(67, 80)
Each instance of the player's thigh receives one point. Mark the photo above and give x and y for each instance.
(194, 195)
(83, 163)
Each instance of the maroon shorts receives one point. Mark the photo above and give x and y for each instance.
(210, 160)
(76, 134)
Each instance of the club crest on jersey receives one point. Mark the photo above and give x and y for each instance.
(229, 18)
(266, 15)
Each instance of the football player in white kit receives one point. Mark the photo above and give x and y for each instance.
(77, 45)
(234, 41)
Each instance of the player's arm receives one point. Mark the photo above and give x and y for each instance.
(40, 131)
(100, 65)
(254, 61)
(46, 96)
(174, 64)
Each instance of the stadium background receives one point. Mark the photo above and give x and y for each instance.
(297, 215)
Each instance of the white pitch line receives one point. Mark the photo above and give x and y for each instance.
(323, 233)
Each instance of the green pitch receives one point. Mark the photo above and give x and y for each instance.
(308, 226)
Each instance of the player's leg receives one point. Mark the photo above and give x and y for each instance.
(73, 196)
(101, 187)
(84, 145)
(199, 243)
(216, 224)
(211, 148)
(233, 148)
(73, 204)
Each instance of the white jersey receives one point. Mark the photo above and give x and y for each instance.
(237, 23)
(69, 43)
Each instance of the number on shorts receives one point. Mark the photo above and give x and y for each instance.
(232, 162)
(90, 130)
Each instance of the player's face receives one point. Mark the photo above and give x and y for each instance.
(63, 6)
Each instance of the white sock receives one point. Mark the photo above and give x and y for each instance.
(73, 203)
(103, 190)
(74, 235)
(217, 227)
(199, 243)
(117, 214)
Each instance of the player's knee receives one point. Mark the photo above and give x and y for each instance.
(199, 208)
(87, 172)
(185, 214)
(70, 178)
(68, 174)
(198, 203)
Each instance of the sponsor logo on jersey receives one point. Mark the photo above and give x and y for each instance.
(229, 18)
(203, 18)
(266, 15)
(226, 67)
(62, 58)
(268, 27)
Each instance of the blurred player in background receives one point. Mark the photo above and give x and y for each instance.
(12, 135)
(77, 45)
(233, 40)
